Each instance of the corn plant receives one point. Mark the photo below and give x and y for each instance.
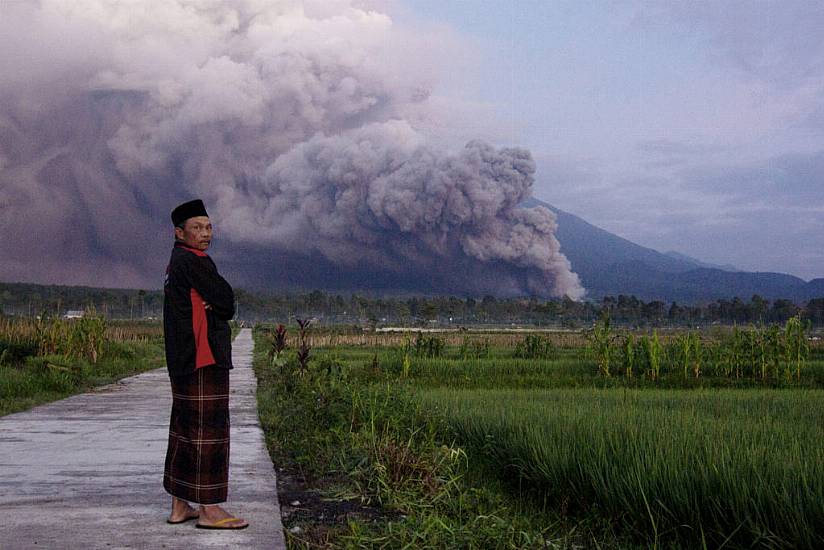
(481, 349)
(89, 333)
(737, 351)
(601, 339)
(81, 339)
(685, 351)
(478, 349)
(628, 354)
(534, 346)
(406, 366)
(428, 345)
(652, 351)
(47, 334)
(753, 350)
(697, 354)
(762, 357)
(463, 351)
(774, 349)
(403, 352)
(797, 347)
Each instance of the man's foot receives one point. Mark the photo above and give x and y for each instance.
(181, 511)
(214, 517)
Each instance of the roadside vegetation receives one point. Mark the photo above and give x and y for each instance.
(606, 439)
(50, 358)
(362, 464)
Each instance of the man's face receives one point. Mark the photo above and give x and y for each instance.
(196, 233)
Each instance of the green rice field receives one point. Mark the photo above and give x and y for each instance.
(721, 466)
(718, 448)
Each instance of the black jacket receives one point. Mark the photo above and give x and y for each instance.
(195, 336)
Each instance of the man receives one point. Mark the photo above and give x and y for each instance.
(197, 305)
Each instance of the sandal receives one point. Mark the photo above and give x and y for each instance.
(222, 524)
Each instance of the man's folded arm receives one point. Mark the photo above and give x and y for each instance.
(213, 288)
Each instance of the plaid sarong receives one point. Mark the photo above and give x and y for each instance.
(197, 459)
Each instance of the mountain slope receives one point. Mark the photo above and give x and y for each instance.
(611, 265)
(699, 263)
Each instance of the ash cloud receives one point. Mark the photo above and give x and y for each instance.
(297, 122)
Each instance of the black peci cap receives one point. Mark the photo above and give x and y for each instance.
(188, 210)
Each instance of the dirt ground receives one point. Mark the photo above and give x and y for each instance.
(313, 518)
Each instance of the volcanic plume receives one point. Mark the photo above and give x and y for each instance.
(301, 124)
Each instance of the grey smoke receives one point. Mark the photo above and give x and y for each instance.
(301, 124)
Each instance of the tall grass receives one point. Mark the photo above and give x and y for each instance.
(74, 339)
(720, 466)
(50, 358)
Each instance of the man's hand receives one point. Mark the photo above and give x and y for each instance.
(207, 305)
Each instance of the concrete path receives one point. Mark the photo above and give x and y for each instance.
(87, 471)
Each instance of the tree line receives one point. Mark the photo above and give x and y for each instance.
(23, 299)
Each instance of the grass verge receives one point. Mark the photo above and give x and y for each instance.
(41, 379)
(28, 380)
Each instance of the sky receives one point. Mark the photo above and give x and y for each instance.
(696, 127)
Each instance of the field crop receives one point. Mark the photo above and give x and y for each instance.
(330, 337)
(46, 359)
(719, 466)
(683, 439)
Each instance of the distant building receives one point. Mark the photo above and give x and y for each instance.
(73, 314)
